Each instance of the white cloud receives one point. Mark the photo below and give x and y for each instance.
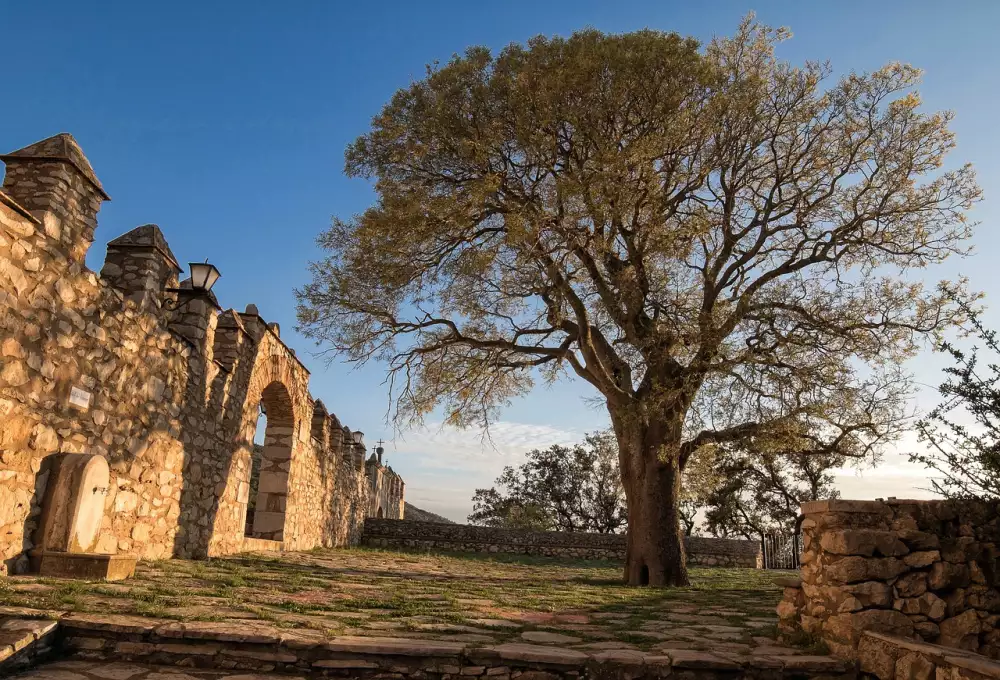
(443, 466)
(449, 448)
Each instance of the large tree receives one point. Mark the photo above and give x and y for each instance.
(712, 238)
(560, 488)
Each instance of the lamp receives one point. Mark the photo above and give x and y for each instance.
(358, 436)
(203, 277)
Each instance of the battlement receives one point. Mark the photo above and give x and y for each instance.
(164, 384)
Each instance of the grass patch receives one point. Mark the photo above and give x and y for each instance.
(359, 590)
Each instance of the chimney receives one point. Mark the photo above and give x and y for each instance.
(140, 264)
(54, 181)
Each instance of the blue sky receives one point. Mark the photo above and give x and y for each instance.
(225, 123)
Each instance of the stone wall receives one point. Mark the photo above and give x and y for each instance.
(132, 365)
(891, 658)
(926, 570)
(465, 538)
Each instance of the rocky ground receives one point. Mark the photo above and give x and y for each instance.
(467, 598)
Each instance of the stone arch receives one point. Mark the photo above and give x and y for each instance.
(278, 384)
(276, 461)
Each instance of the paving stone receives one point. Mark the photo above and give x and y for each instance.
(540, 654)
(222, 631)
(651, 634)
(449, 628)
(546, 638)
(605, 645)
(701, 660)
(466, 637)
(497, 623)
(397, 646)
(812, 664)
(111, 623)
(51, 674)
(117, 671)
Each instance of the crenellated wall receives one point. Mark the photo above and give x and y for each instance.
(166, 385)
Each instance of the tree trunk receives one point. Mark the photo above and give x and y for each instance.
(655, 553)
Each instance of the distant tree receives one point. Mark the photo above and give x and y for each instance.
(718, 242)
(962, 433)
(558, 488)
(761, 488)
(702, 476)
(492, 508)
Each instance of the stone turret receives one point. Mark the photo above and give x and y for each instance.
(54, 181)
(141, 264)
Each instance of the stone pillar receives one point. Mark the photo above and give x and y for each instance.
(54, 181)
(140, 264)
(336, 437)
(359, 456)
(320, 427)
(347, 446)
(194, 318)
(230, 337)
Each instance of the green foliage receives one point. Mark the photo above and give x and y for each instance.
(720, 243)
(560, 489)
(962, 433)
(760, 491)
(702, 476)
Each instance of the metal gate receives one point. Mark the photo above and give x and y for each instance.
(783, 550)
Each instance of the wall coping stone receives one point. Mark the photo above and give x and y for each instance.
(842, 506)
(24, 641)
(9, 201)
(146, 237)
(938, 654)
(59, 148)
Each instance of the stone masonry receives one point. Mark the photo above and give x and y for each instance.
(701, 551)
(163, 383)
(919, 570)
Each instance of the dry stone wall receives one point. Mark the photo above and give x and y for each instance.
(465, 538)
(923, 570)
(133, 366)
(891, 658)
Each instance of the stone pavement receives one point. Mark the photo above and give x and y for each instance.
(469, 599)
(102, 670)
(356, 602)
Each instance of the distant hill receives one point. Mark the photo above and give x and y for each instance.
(412, 512)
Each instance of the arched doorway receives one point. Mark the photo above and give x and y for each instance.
(379, 514)
(256, 459)
(275, 460)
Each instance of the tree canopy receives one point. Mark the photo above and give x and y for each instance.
(760, 491)
(560, 488)
(719, 242)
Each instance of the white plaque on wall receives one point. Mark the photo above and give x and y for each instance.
(79, 398)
